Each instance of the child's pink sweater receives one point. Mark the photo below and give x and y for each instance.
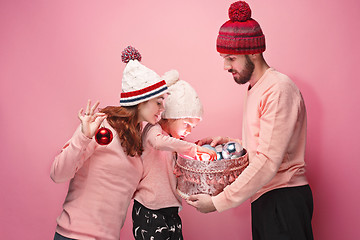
(274, 133)
(103, 180)
(157, 188)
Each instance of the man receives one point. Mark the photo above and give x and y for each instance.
(274, 133)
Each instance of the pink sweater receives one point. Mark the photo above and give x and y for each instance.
(274, 133)
(157, 188)
(103, 180)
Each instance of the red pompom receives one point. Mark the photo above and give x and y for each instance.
(239, 11)
(130, 53)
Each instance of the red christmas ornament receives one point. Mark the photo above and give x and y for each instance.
(203, 156)
(103, 136)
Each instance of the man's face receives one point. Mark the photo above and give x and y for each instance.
(240, 66)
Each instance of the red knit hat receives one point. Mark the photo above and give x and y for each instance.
(241, 34)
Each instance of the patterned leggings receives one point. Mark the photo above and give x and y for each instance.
(162, 224)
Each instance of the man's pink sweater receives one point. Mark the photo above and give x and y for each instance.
(157, 188)
(103, 180)
(274, 133)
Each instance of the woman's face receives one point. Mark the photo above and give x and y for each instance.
(150, 111)
(180, 128)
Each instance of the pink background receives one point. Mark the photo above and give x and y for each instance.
(54, 55)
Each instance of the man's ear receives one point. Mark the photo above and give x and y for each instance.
(255, 57)
(258, 57)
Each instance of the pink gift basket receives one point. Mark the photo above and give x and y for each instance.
(209, 177)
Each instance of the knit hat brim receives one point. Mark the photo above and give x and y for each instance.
(135, 97)
(240, 38)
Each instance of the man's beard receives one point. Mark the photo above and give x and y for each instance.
(246, 73)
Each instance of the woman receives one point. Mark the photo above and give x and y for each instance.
(103, 178)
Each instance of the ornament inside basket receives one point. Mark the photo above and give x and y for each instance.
(209, 177)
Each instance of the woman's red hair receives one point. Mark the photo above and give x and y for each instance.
(125, 122)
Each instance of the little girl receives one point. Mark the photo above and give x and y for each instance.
(156, 203)
(103, 178)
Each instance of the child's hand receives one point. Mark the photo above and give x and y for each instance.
(201, 150)
(90, 121)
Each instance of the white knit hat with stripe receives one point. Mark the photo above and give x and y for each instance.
(139, 83)
(182, 101)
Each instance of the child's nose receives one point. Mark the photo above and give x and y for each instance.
(188, 130)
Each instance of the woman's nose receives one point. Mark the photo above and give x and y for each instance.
(162, 107)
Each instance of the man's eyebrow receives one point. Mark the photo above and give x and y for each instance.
(228, 55)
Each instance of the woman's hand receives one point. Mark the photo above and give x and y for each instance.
(90, 121)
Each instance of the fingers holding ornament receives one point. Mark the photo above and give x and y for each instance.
(94, 107)
(89, 112)
(90, 120)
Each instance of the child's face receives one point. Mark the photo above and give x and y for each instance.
(180, 128)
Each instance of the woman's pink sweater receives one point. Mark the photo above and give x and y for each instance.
(103, 180)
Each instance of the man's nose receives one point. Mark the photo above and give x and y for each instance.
(227, 66)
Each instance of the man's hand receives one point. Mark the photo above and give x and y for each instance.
(213, 141)
(202, 202)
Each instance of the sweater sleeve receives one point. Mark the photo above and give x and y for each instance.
(160, 141)
(279, 112)
(71, 158)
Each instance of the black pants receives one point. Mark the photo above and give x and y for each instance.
(283, 214)
(159, 224)
(61, 237)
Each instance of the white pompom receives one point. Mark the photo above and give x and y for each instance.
(171, 77)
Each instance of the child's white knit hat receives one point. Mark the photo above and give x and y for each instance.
(182, 101)
(139, 83)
